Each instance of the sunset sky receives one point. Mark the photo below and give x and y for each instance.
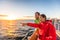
(20, 8)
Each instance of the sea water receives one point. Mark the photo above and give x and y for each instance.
(19, 31)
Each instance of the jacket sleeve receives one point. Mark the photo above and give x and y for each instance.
(34, 25)
(52, 33)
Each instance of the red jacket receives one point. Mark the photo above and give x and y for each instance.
(47, 30)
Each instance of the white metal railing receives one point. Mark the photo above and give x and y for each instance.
(57, 26)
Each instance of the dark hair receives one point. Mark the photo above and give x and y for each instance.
(37, 13)
(44, 16)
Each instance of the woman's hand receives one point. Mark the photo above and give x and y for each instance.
(23, 24)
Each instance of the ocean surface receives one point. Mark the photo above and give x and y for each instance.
(11, 29)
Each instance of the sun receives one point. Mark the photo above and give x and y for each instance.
(11, 17)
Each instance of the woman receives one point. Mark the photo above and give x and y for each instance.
(37, 21)
(47, 29)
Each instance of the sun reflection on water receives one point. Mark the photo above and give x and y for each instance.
(7, 27)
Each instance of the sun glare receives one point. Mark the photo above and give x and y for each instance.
(11, 17)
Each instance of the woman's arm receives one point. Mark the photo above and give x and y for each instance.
(34, 25)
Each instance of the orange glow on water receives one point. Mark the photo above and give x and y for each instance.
(8, 26)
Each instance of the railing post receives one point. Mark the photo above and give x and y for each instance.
(58, 27)
(54, 24)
